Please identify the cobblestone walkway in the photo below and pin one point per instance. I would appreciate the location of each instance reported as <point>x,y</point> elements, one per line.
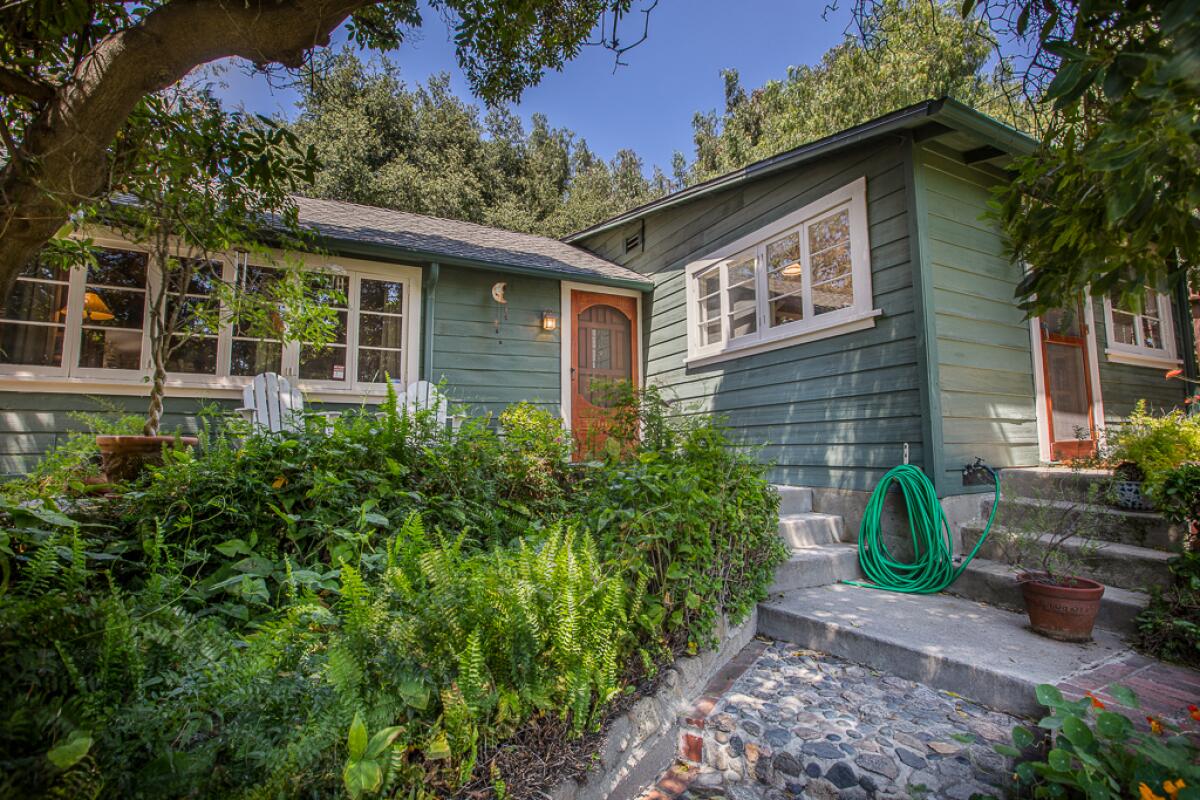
<point>806,724</point>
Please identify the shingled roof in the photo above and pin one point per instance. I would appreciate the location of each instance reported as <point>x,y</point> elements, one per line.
<point>355,229</point>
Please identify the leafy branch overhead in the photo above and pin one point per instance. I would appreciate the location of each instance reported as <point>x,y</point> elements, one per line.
<point>78,76</point>
<point>1109,202</point>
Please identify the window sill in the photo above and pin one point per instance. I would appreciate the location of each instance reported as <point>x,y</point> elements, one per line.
<point>229,388</point>
<point>1152,360</point>
<point>860,322</point>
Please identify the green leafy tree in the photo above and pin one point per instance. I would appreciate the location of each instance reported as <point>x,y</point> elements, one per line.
<point>423,149</point>
<point>200,183</point>
<point>77,75</point>
<point>1110,201</point>
<point>908,51</point>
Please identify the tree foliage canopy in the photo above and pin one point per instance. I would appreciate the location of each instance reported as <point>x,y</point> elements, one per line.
<point>76,75</point>
<point>910,50</point>
<point>423,149</point>
<point>1110,203</point>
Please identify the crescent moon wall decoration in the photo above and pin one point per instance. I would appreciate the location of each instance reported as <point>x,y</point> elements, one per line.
<point>498,292</point>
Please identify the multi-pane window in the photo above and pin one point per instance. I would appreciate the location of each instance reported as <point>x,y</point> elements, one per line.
<point>328,363</point>
<point>34,324</point>
<point>1145,333</point>
<point>381,349</point>
<point>196,346</point>
<point>93,324</point>
<point>808,272</point>
<point>114,311</point>
<point>708,305</point>
<point>251,354</point>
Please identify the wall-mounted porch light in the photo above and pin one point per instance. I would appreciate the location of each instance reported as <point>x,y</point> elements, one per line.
<point>549,321</point>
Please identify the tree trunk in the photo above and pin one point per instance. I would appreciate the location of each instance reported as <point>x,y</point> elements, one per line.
<point>158,388</point>
<point>62,159</point>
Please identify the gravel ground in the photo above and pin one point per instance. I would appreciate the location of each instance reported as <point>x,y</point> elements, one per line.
<point>805,724</point>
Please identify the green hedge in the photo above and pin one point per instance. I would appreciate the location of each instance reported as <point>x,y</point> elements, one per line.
<point>359,611</point>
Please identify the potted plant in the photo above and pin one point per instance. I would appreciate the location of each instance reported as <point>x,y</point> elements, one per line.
<point>1049,547</point>
<point>194,194</point>
<point>1145,447</point>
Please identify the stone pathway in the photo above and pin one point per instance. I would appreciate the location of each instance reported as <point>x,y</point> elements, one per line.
<point>799,723</point>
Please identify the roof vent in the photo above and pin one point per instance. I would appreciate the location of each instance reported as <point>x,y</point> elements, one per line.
<point>634,240</point>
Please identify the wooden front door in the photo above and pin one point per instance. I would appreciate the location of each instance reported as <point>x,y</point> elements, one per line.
<point>1069,410</point>
<point>604,335</point>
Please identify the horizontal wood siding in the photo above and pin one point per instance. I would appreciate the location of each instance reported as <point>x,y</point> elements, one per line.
<point>985,368</point>
<point>484,368</point>
<point>834,412</point>
<point>34,423</point>
<point>493,355</point>
<point>1123,385</point>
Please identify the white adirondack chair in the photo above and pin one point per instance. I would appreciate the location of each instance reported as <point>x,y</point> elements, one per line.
<point>424,396</point>
<point>271,403</point>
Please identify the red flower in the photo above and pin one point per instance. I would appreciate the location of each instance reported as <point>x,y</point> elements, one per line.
<point>1195,712</point>
<point>1095,701</point>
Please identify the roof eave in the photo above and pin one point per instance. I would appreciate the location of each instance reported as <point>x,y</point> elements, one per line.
<point>851,136</point>
<point>945,110</point>
<point>401,255</point>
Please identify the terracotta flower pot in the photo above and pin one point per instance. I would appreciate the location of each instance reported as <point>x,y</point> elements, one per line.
<point>1061,611</point>
<point>124,457</point>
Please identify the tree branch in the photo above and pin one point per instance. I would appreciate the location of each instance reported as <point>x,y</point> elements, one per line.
<point>65,146</point>
<point>14,83</point>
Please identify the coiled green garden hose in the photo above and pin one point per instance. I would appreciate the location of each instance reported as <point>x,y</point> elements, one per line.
<point>932,568</point>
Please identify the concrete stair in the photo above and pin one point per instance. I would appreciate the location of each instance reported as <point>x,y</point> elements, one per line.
<point>1113,564</point>
<point>818,555</point>
<point>973,639</point>
<point>1085,485</point>
<point>1137,528</point>
<point>983,653</point>
<point>995,583</point>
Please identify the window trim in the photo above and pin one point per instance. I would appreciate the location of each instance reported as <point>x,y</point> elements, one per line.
<point>1138,355</point>
<point>69,376</point>
<point>859,315</point>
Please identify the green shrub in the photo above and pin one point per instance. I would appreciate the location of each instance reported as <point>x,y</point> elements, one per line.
<point>1101,755</point>
<point>688,519</point>
<point>1155,444</point>
<point>360,609</point>
<point>248,510</point>
<point>125,689</point>
<point>1170,626</point>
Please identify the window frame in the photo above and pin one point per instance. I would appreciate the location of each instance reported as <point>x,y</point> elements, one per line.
<point>859,315</point>
<point>223,383</point>
<point>1140,355</point>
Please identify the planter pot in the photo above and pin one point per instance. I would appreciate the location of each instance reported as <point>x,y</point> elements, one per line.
<point>1129,495</point>
<point>124,457</point>
<point>1062,612</point>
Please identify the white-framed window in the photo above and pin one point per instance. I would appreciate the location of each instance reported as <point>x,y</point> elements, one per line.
<point>89,325</point>
<point>804,277</point>
<point>1145,338</point>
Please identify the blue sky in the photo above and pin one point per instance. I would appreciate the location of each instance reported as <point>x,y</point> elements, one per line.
<point>647,105</point>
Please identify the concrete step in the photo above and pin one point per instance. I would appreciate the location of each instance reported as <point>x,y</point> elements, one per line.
<point>816,566</point>
<point>1139,528</point>
<point>1058,482</point>
<point>996,584</point>
<point>1113,564</point>
<point>983,653</point>
<point>794,499</point>
<point>811,529</point>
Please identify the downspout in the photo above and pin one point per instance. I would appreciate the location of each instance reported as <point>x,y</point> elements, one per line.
<point>428,296</point>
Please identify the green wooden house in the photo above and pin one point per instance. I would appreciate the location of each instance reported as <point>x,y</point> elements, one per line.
<point>840,304</point>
